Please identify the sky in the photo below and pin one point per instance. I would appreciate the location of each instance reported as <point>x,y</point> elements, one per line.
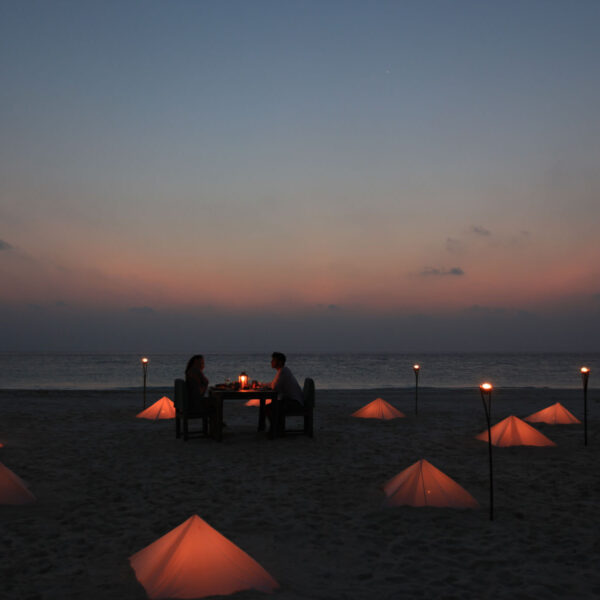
<point>309,176</point>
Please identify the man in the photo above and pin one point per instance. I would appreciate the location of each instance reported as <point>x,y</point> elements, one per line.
<point>289,392</point>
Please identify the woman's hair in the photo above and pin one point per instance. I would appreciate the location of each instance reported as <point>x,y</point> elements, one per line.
<point>191,361</point>
<point>279,357</point>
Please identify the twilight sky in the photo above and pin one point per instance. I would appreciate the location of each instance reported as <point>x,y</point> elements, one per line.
<point>308,176</point>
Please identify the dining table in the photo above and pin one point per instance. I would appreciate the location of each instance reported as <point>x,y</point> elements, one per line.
<point>224,392</point>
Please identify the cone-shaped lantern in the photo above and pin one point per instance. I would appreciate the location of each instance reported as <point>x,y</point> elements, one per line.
<point>422,484</point>
<point>556,414</point>
<point>256,402</point>
<point>193,561</point>
<point>513,431</point>
<point>378,409</point>
<point>13,489</point>
<point>161,409</point>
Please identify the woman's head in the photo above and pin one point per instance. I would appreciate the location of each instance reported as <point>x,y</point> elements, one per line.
<point>197,361</point>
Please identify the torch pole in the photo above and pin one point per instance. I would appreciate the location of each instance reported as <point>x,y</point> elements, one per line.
<point>416,369</point>
<point>145,372</point>
<point>585,374</point>
<point>488,409</point>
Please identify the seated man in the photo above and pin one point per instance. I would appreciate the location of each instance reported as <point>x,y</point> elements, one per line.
<point>285,384</point>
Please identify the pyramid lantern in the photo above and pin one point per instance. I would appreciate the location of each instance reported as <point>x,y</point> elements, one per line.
<point>556,414</point>
<point>422,484</point>
<point>513,431</point>
<point>378,409</point>
<point>161,409</point>
<point>193,561</point>
<point>13,489</point>
<point>256,402</point>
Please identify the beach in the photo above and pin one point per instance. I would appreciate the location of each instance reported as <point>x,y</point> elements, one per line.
<point>308,510</point>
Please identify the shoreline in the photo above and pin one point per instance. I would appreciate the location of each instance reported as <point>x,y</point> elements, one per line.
<point>309,511</point>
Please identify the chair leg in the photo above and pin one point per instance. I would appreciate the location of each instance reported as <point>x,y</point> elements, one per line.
<point>185,429</point>
<point>177,426</point>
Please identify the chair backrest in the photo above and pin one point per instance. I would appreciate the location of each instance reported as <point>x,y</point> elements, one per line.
<point>180,395</point>
<point>308,391</point>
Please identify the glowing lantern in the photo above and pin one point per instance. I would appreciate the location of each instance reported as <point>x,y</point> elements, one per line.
<point>422,484</point>
<point>193,561</point>
<point>513,431</point>
<point>378,409</point>
<point>243,380</point>
<point>13,489</point>
<point>556,414</point>
<point>161,409</point>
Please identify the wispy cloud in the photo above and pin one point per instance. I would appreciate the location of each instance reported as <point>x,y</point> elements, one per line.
<point>5,245</point>
<point>479,230</point>
<point>453,245</point>
<point>435,272</point>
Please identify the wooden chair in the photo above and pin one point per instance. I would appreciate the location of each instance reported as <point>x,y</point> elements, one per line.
<point>306,411</point>
<point>211,417</point>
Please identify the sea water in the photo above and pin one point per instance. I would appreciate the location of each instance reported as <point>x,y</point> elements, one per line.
<point>330,371</point>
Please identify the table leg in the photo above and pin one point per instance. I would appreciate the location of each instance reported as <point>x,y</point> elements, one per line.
<point>261,414</point>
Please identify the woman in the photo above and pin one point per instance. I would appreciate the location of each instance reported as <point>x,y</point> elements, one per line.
<point>196,381</point>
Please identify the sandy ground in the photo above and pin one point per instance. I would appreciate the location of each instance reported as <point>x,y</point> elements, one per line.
<point>309,511</point>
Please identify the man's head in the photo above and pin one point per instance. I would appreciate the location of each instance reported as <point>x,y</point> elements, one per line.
<point>277,360</point>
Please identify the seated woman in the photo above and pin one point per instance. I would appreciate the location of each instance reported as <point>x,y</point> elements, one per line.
<point>197,383</point>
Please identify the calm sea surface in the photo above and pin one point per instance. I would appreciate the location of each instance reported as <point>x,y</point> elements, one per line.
<point>330,371</point>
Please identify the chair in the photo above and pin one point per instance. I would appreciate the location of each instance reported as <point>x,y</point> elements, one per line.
<point>306,411</point>
<point>210,415</point>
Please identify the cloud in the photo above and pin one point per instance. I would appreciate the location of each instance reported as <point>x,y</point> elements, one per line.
<point>142,310</point>
<point>5,245</point>
<point>453,245</point>
<point>430,271</point>
<point>479,230</point>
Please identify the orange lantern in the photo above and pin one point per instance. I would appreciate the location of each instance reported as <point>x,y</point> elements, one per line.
<point>243,380</point>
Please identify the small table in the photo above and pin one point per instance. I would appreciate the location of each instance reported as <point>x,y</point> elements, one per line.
<point>263,394</point>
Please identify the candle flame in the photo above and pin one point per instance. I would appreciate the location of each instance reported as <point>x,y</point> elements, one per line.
<point>145,360</point>
<point>585,370</point>
<point>486,387</point>
<point>416,367</point>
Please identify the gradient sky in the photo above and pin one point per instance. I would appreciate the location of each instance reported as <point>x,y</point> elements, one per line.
<point>329,175</point>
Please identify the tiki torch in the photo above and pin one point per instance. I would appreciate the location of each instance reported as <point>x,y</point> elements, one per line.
<point>145,362</point>
<point>416,369</point>
<point>486,398</point>
<point>585,373</point>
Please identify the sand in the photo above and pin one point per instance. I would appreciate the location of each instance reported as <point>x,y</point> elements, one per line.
<point>309,511</point>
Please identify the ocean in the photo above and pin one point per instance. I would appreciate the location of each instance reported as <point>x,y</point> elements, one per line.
<point>330,371</point>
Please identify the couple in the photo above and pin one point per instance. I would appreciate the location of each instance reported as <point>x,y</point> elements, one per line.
<point>284,383</point>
